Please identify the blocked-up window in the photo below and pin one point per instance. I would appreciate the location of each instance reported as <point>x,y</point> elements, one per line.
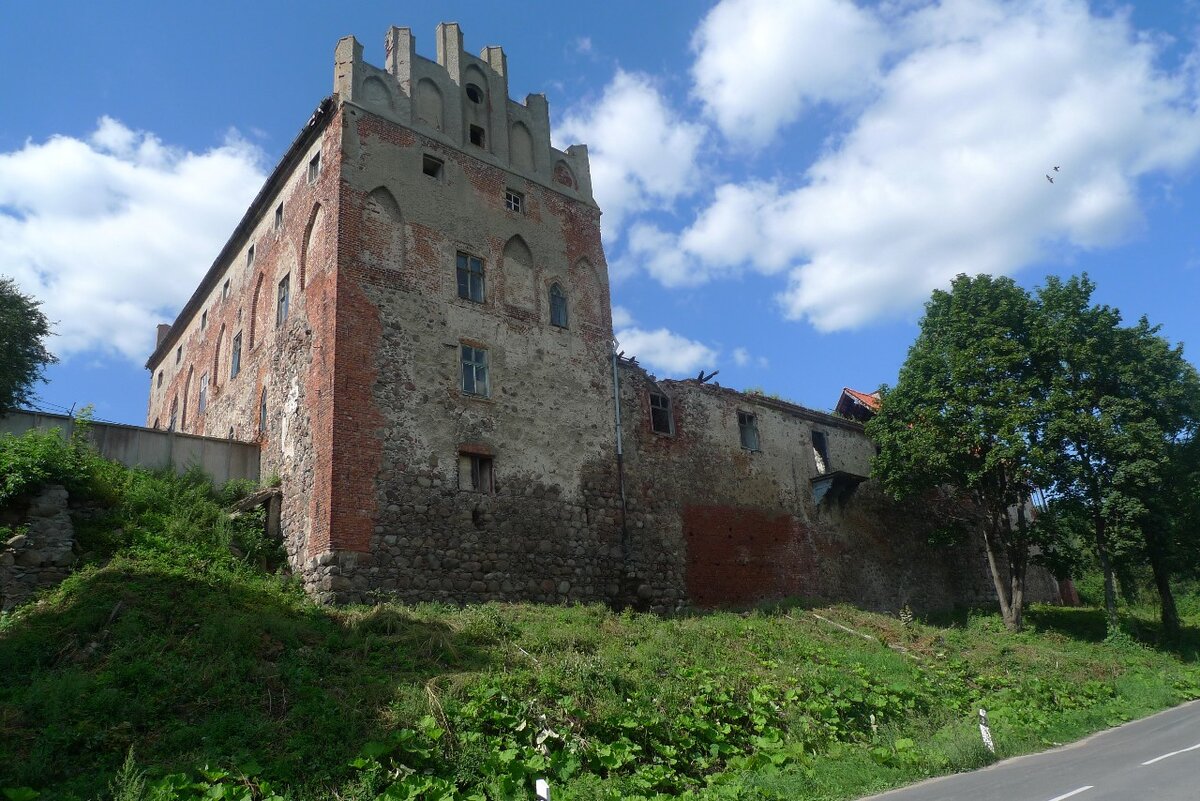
<point>558,306</point>
<point>235,355</point>
<point>748,430</point>
<point>660,414</point>
<point>281,304</point>
<point>820,445</point>
<point>474,371</point>
<point>470,277</point>
<point>202,403</point>
<point>475,473</point>
<point>514,201</point>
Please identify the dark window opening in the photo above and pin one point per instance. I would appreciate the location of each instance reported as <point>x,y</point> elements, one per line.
<point>281,306</point>
<point>202,404</point>
<point>178,354</point>
<point>475,473</point>
<point>820,447</point>
<point>160,376</point>
<point>474,371</point>
<point>278,216</point>
<point>470,277</point>
<point>660,414</point>
<point>474,93</point>
<point>225,289</point>
<point>478,136</point>
<point>250,257</point>
<point>314,168</point>
<point>203,320</point>
<point>262,412</point>
<point>235,356</point>
<point>748,430</point>
<point>432,167</point>
<point>558,306</point>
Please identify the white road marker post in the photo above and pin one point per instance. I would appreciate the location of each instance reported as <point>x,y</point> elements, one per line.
<point>986,731</point>
<point>542,787</point>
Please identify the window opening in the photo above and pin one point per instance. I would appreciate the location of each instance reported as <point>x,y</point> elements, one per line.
<point>235,356</point>
<point>202,404</point>
<point>160,376</point>
<point>470,277</point>
<point>660,414</point>
<point>174,414</point>
<point>748,430</point>
<point>278,216</point>
<point>514,201</point>
<point>178,354</point>
<point>558,306</point>
<point>432,166</point>
<point>820,446</point>
<point>478,137</point>
<point>250,257</point>
<point>203,320</point>
<point>225,290</point>
<point>474,93</point>
<point>475,473</point>
<point>281,306</point>
<point>474,371</point>
<point>314,168</point>
<point>262,412</point>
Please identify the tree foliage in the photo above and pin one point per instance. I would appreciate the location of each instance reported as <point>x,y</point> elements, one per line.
<point>23,354</point>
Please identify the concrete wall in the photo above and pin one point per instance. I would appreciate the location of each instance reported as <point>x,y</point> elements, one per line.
<point>141,447</point>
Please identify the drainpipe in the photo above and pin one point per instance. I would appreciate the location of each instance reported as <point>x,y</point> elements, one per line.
<point>620,460</point>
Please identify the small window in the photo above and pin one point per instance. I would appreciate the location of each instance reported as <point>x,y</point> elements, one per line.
<point>558,306</point>
<point>160,375</point>
<point>235,356</point>
<point>470,277</point>
<point>314,168</point>
<point>748,430</point>
<point>225,290</point>
<point>202,404</point>
<point>820,447</point>
<point>478,137</point>
<point>514,201</point>
<point>203,320</point>
<point>474,371</point>
<point>432,167</point>
<point>262,412</point>
<point>174,414</point>
<point>250,257</point>
<point>179,354</point>
<point>279,217</point>
<point>660,414</point>
<point>281,305</point>
<point>475,473</point>
<point>474,93</point>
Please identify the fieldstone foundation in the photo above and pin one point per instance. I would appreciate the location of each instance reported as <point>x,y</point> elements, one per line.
<point>40,556</point>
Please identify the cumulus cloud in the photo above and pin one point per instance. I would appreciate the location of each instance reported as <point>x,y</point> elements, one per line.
<point>113,232</point>
<point>621,317</point>
<point>665,351</point>
<point>760,62</point>
<point>943,170</point>
<point>642,152</point>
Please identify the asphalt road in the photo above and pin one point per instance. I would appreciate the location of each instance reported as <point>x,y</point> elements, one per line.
<point>1153,759</point>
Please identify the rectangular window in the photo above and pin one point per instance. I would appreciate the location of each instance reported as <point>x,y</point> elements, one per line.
<point>225,290</point>
<point>470,277</point>
<point>478,137</point>
<point>203,320</point>
<point>748,430</point>
<point>160,374</point>
<point>314,168</point>
<point>250,257</point>
<point>432,167</point>
<point>178,354</point>
<point>235,356</point>
<point>820,451</point>
<point>514,201</point>
<point>475,473</point>
<point>279,217</point>
<point>281,305</point>
<point>474,371</point>
<point>203,402</point>
<point>660,414</point>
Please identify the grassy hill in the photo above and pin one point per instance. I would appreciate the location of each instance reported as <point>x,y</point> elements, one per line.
<point>174,666</point>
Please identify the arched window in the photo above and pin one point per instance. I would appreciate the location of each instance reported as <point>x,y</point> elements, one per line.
<point>558,306</point>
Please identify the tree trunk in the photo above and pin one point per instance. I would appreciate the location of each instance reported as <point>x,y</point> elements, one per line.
<point>1110,588</point>
<point>1162,580</point>
<point>1002,592</point>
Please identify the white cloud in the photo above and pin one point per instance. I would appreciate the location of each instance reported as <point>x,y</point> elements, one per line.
<point>621,317</point>
<point>665,351</point>
<point>741,357</point>
<point>642,153</point>
<point>113,232</point>
<point>942,172</point>
<point>759,62</point>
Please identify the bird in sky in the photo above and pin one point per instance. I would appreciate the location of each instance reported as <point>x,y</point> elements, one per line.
<point>1056,169</point>
<point>1048,178</point>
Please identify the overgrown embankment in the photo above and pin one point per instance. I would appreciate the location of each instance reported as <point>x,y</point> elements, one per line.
<point>220,677</point>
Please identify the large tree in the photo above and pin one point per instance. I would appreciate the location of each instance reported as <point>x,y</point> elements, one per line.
<point>23,354</point>
<point>964,418</point>
<point>1119,397</point>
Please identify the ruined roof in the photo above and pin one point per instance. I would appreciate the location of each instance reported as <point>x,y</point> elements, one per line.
<point>858,405</point>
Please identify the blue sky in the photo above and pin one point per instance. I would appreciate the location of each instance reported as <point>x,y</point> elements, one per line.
<point>783,181</point>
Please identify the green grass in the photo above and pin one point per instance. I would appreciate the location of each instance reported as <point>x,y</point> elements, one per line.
<point>170,648</point>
